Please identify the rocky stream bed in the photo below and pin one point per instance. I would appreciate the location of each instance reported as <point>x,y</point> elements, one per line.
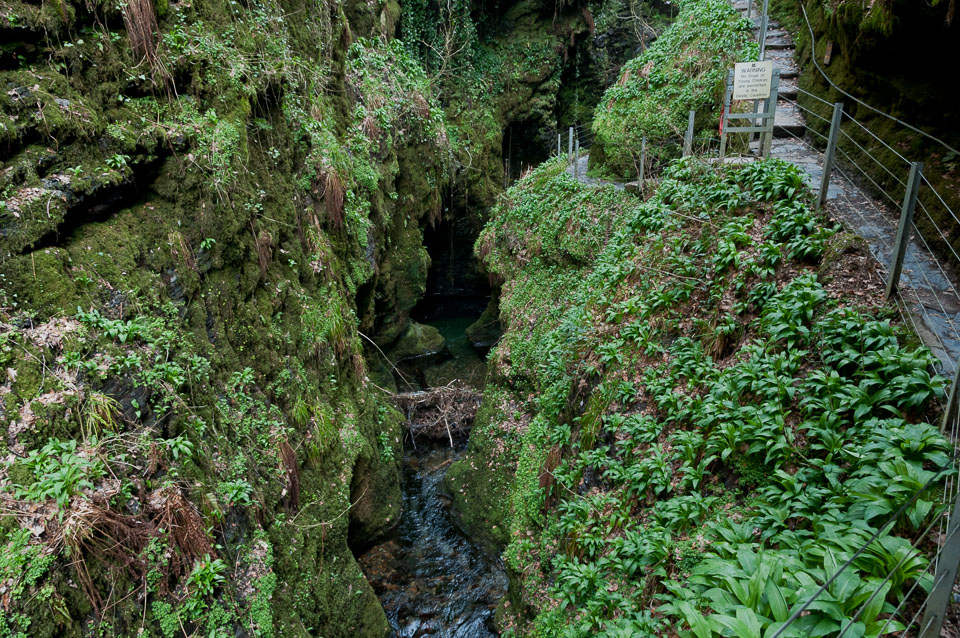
<point>430,577</point>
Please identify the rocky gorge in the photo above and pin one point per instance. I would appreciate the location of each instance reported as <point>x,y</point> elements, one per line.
<point>305,332</point>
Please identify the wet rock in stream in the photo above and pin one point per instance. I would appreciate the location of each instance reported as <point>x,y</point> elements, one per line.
<point>431,579</point>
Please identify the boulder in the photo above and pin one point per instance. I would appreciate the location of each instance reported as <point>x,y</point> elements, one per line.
<point>418,340</point>
<point>486,331</point>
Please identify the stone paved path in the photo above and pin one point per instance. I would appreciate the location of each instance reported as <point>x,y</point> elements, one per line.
<point>583,177</point>
<point>928,288</point>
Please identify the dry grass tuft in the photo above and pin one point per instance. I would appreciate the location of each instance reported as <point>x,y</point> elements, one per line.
<point>333,195</point>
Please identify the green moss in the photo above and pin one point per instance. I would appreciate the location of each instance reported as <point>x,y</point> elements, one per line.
<point>639,456</point>
<point>418,340</point>
<point>194,216</point>
<point>486,330</point>
<point>480,481</point>
<point>684,69</point>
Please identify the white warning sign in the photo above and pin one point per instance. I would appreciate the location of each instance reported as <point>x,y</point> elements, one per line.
<point>751,80</point>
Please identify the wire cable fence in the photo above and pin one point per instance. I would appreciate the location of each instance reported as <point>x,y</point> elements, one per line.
<point>923,290</point>
<point>907,223</point>
<point>654,153</point>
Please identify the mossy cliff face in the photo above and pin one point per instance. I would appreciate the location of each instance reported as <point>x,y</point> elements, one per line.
<point>196,224</point>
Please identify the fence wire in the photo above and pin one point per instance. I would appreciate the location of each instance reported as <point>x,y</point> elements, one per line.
<point>914,603</point>
<point>911,615</point>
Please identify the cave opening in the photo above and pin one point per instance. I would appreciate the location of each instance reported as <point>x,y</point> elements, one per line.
<point>526,143</point>
<point>456,284</point>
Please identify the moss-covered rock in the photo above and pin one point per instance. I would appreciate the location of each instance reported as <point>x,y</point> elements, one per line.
<point>684,69</point>
<point>485,331</point>
<point>189,253</point>
<point>417,341</point>
<point>480,482</point>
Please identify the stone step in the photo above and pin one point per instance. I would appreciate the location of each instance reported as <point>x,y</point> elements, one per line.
<point>784,61</point>
<point>788,121</point>
<point>788,89</point>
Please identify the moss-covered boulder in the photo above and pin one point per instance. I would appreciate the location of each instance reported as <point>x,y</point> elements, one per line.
<point>418,341</point>
<point>684,69</point>
<point>479,483</point>
<point>485,331</point>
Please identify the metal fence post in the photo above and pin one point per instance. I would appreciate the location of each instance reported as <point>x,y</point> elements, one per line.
<point>643,158</point>
<point>570,145</point>
<point>763,36</point>
<point>944,578</point>
<point>559,149</point>
<point>749,9</point>
<point>903,231</point>
<point>950,412</point>
<point>576,160</point>
<point>766,138</point>
<point>830,152</point>
<point>764,19</point>
<point>688,136</point>
<point>723,115</point>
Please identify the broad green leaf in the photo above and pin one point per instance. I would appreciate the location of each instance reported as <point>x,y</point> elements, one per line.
<point>778,605</point>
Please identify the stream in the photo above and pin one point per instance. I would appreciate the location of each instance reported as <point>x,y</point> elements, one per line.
<point>431,578</point>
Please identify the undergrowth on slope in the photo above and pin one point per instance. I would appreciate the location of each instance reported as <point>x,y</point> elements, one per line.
<point>684,69</point>
<point>717,415</point>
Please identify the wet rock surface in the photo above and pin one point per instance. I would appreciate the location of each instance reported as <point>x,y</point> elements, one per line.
<point>430,578</point>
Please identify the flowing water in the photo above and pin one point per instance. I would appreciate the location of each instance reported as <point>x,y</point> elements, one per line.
<point>432,580</point>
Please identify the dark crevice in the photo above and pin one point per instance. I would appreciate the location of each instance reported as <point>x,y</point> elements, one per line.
<point>456,284</point>
<point>100,205</point>
<point>526,144</point>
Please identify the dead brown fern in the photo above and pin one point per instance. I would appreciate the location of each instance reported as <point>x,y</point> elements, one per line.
<point>435,215</point>
<point>289,458</point>
<point>171,511</point>
<point>420,105</point>
<point>181,250</point>
<point>140,20</point>
<point>370,128</point>
<point>333,195</point>
<point>547,477</point>
<point>263,244</point>
<point>359,365</point>
<point>588,18</point>
<point>91,529</point>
